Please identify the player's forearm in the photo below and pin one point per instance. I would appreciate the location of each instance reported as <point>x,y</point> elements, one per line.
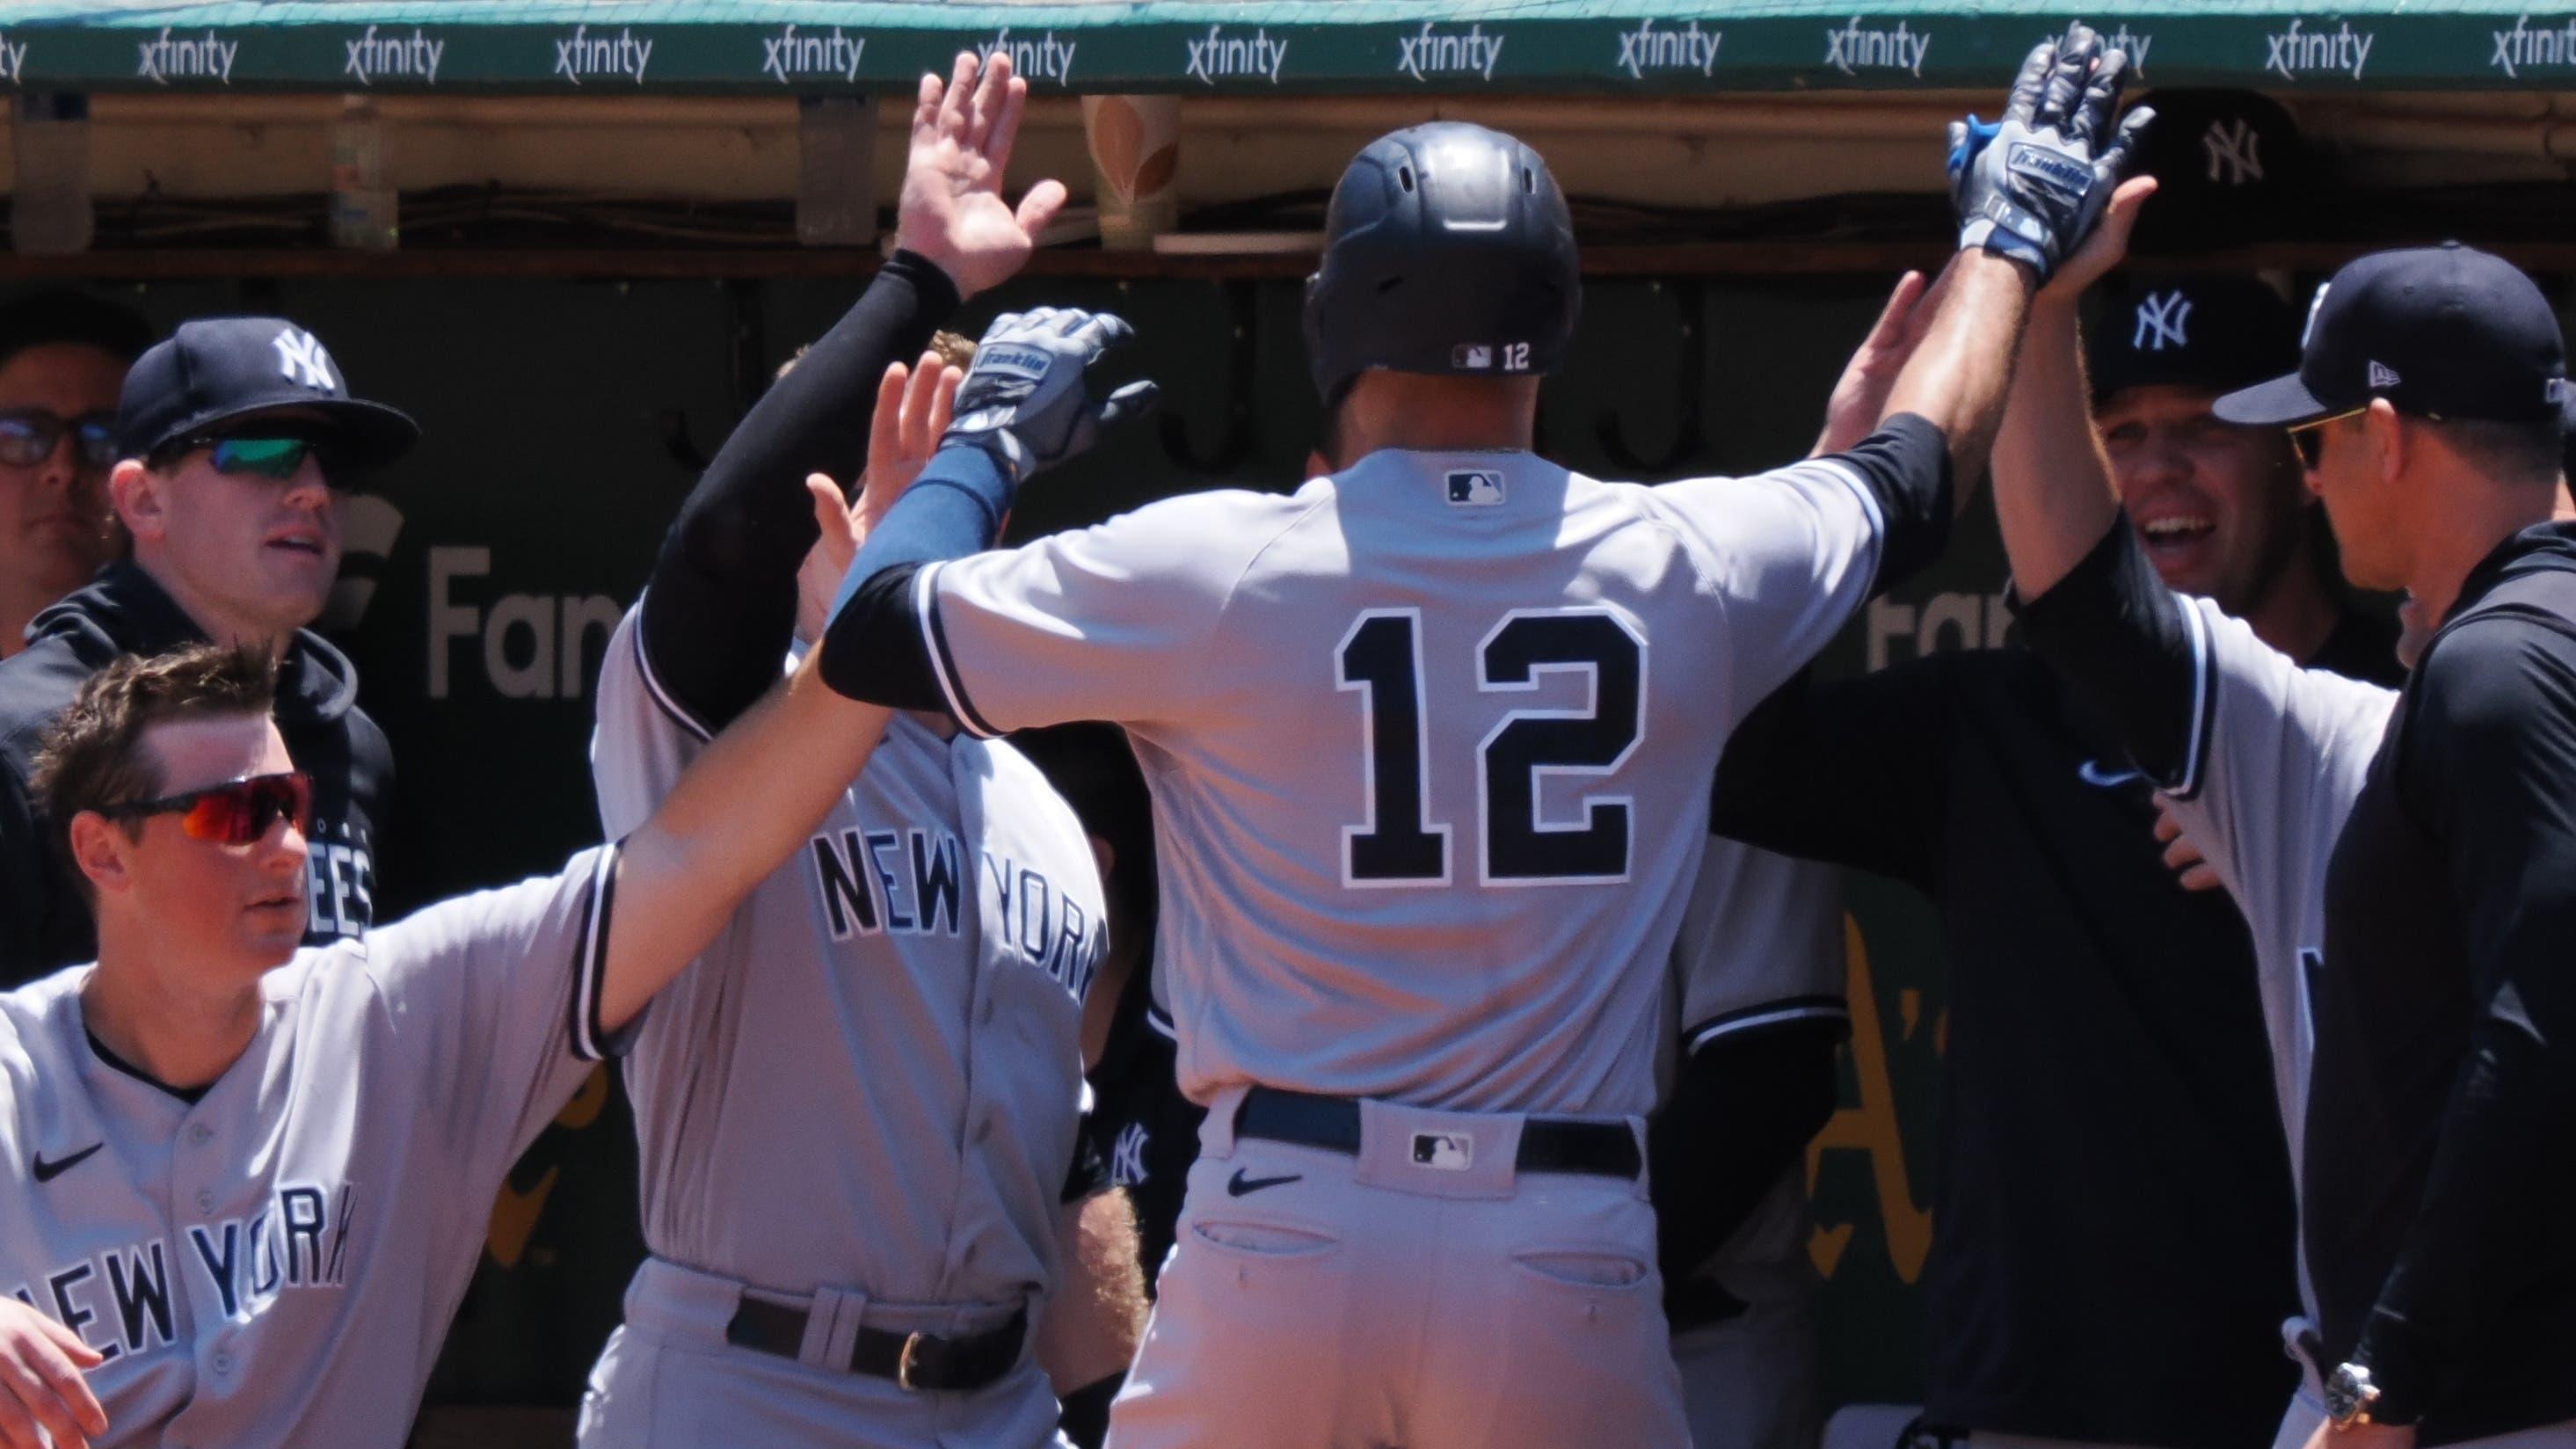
<point>750,800</point>
<point>875,648</point>
<point>2053,493</point>
<point>722,603</point>
<point>1742,1111</point>
<point>1095,1318</point>
<point>1957,378</point>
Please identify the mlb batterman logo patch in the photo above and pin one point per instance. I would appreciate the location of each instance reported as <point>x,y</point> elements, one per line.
<point>1481,487</point>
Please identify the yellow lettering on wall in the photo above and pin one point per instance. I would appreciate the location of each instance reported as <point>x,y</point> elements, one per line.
<point>1870,1127</point>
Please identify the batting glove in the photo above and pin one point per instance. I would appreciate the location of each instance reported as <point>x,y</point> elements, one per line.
<point>2033,184</point>
<point>1027,398</point>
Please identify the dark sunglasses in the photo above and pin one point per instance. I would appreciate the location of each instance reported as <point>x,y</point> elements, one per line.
<point>28,436</point>
<point>274,456</point>
<point>236,812</point>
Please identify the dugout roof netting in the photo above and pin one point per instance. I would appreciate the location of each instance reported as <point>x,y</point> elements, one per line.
<point>1248,46</point>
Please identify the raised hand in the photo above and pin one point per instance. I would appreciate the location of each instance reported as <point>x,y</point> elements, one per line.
<point>913,406</point>
<point>1027,400</point>
<point>1859,399</point>
<point>951,209</point>
<point>2032,185</point>
<point>42,1392</point>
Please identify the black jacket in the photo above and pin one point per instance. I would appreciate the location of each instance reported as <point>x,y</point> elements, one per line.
<point>44,922</point>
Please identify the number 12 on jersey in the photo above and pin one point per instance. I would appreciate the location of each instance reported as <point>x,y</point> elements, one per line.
<point>1398,844</point>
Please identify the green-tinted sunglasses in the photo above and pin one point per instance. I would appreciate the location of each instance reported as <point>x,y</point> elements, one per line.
<point>273,456</point>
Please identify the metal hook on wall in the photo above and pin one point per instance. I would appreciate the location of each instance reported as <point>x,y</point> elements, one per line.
<point>1237,443</point>
<point>1687,381</point>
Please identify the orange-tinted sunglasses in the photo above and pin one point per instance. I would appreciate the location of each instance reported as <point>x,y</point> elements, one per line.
<point>236,812</point>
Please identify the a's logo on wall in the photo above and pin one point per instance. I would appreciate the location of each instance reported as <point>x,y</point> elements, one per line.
<point>2161,318</point>
<point>2235,151</point>
<point>367,533</point>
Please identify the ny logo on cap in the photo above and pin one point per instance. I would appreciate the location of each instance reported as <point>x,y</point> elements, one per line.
<point>2160,320</point>
<point>300,358</point>
<point>2235,152</point>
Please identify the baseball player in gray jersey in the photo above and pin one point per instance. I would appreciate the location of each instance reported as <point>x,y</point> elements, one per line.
<point>1427,741</point>
<point>858,1106</point>
<point>1761,946</point>
<point>242,1187</point>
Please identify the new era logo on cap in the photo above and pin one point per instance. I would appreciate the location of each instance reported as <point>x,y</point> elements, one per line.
<point>2382,375</point>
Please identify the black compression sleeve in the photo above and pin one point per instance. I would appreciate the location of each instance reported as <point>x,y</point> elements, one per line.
<point>874,650</point>
<point>1742,1109</point>
<point>1851,772</point>
<point>722,606</point>
<point>2487,755</point>
<point>2121,638</point>
<point>1906,467</point>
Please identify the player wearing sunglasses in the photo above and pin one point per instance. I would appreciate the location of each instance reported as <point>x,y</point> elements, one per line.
<point>234,440</point>
<point>241,1182</point>
<point>62,358</point>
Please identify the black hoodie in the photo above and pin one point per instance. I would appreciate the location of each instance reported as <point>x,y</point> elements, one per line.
<point>44,922</point>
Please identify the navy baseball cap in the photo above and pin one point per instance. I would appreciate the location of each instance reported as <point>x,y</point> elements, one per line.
<point>2205,331</point>
<point>2441,332</point>
<point>217,370</point>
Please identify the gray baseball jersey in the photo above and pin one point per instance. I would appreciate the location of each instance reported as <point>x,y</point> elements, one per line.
<point>277,1262</point>
<point>2275,761</point>
<point>1429,744</point>
<point>871,1080</point>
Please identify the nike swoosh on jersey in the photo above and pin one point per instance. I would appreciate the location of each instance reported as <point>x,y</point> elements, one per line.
<point>2092,773</point>
<point>48,1171</point>
<point>1238,1185</point>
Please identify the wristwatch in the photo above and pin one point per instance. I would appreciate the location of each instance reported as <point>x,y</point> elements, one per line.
<point>2349,1396</point>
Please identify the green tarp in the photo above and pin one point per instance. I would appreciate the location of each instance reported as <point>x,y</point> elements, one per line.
<point>1245,46</point>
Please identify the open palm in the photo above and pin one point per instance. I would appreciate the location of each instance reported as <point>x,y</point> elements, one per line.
<point>952,210</point>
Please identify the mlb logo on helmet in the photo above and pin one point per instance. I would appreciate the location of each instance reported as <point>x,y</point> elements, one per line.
<point>1444,1151</point>
<point>1481,487</point>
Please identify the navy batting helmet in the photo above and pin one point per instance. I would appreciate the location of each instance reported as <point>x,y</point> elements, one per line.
<point>1447,249</point>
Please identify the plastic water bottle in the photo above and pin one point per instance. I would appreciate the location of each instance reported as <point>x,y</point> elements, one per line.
<point>836,147</point>
<point>365,211</point>
<point>50,211</point>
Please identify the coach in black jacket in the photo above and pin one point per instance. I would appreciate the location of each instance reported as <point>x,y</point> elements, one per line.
<point>237,437</point>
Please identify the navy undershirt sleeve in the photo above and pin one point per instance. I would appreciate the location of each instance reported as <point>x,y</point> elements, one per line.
<point>877,647</point>
<point>1853,772</point>
<point>721,609</point>
<point>2114,631</point>
<point>1906,467</point>
<point>1742,1110</point>
<point>2487,758</point>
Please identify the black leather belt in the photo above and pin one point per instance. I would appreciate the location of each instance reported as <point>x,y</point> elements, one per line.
<point>913,1360</point>
<point>1548,1144</point>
